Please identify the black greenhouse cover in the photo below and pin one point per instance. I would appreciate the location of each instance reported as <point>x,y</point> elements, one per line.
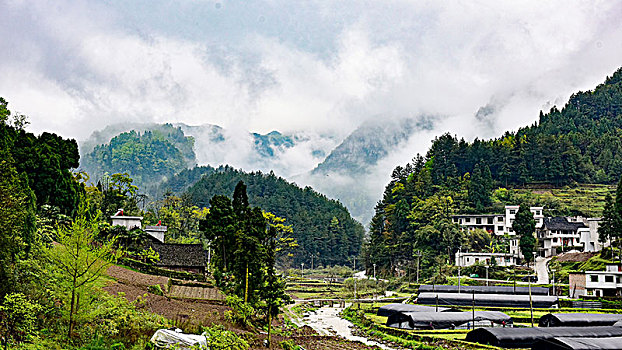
<point>527,337</point>
<point>389,309</point>
<point>578,319</point>
<point>484,289</point>
<point>498,300</point>
<point>443,320</point>
<point>563,343</point>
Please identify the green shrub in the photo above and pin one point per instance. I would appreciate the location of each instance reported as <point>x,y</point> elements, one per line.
<point>241,313</point>
<point>289,345</point>
<point>218,338</point>
<point>18,317</point>
<point>155,289</point>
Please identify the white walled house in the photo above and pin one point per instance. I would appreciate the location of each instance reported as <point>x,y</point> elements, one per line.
<point>596,283</point>
<point>464,259</point>
<point>156,232</point>
<point>510,215</point>
<point>492,223</point>
<point>499,224</point>
<point>559,232</point>
<point>129,222</point>
<point>588,237</point>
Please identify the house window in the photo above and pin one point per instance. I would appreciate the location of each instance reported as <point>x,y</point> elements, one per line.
<point>593,278</point>
<point>512,211</point>
<point>537,212</point>
<point>490,221</point>
<point>609,279</point>
<point>478,221</point>
<point>467,259</point>
<point>499,228</point>
<point>467,219</point>
<point>456,220</point>
<point>500,218</point>
<point>476,260</point>
<point>618,279</point>
<point>554,240</point>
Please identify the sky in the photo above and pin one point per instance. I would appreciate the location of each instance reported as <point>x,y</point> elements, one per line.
<point>326,66</point>
<point>475,68</point>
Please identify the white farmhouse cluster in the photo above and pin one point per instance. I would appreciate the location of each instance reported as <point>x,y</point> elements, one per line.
<point>553,233</point>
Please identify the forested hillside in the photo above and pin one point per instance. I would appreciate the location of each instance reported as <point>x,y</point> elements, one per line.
<point>42,163</point>
<point>581,143</point>
<point>181,181</point>
<point>148,158</point>
<point>322,227</point>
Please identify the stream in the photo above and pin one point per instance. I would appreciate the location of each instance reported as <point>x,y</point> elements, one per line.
<point>326,321</point>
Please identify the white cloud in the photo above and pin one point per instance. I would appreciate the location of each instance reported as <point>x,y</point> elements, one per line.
<point>318,67</point>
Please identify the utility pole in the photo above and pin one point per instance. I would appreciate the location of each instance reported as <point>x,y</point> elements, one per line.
<point>554,290</point>
<point>418,258</point>
<point>312,261</point>
<point>376,283</point>
<point>530,301</point>
<point>354,276</point>
<point>459,263</point>
<point>487,275</point>
<point>302,269</point>
<point>473,325</point>
<point>514,274</point>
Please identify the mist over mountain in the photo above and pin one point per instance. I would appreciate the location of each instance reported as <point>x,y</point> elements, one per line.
<point>331,166</point>
<point>354,171</point>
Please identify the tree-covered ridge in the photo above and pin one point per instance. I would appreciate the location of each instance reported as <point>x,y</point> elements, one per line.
<point>579,143</point>
<point>43,162</point>
<point>148,158</point>
<point>323,228</point>
<point>181,181</point>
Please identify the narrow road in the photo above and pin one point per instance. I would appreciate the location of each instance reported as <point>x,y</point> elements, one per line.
<point>326,321</point>
<point>542,270</point>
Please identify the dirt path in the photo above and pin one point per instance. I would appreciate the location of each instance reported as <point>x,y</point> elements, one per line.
<point>188,314</point>
<point>326,321</point>
<point>542,270</point>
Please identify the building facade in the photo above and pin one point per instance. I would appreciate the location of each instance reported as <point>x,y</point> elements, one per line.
<point>129,222</point>
<point>465,259</point>
<point>596,283</point>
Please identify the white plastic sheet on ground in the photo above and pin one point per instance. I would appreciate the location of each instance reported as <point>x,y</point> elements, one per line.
<point>166,338</point>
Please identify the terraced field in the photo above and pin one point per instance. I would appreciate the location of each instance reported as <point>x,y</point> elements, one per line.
<point>187,292</point>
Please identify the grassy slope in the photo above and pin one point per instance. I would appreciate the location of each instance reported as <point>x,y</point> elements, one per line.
<point>585,199</point>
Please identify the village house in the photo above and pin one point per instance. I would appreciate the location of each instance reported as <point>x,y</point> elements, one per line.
<point>499,224</point>
<point>178,257</point>
<point>563,234</point>
<point>129,222</point>
<point>465,259</point>
<point>181,257</point>
<point>596,283</point>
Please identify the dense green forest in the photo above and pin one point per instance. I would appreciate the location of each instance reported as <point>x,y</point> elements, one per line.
<point>323,228</point>
<point>181,181</point>
<point>57,245</point>
<point>148,158</point>
<point>581,143</point>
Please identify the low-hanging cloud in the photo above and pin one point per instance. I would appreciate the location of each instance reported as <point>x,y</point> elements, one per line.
<point>318,68</point>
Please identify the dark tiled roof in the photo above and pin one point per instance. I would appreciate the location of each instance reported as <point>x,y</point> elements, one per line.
<point>180,255</point>
<point>561,223</point>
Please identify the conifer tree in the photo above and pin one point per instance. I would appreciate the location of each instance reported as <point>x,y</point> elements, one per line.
<point>524,225</point>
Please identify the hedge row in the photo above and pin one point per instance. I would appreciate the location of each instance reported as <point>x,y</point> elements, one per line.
<point>153,270</point>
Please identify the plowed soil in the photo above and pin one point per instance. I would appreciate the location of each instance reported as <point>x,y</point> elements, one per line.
<point>188,313</point>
